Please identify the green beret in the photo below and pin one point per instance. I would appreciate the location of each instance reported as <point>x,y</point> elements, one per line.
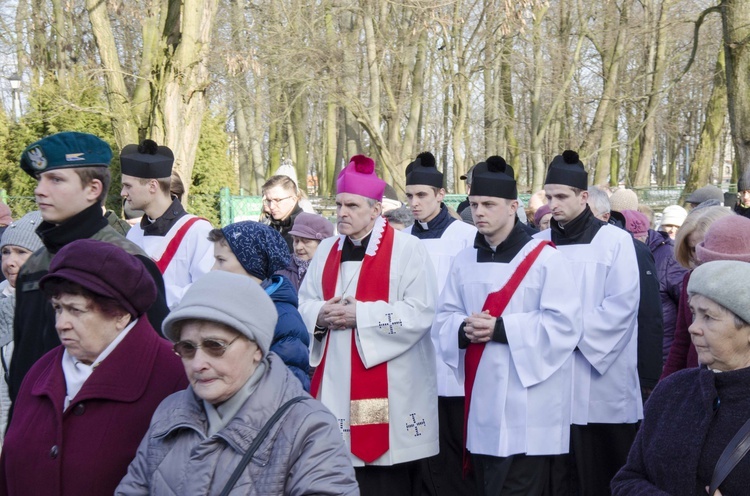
<point>65,151</point>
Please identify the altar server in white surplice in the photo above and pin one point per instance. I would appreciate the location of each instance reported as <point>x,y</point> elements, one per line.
<point>369,300</point>
<point>177,241</point>
<point>606,389</point>
<point>509,331</point>
<point>443,236</point>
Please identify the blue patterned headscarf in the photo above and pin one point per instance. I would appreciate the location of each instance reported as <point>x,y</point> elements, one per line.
<point>260,249</point>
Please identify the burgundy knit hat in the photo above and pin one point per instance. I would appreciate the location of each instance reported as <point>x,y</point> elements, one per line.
<point>635,222</point>
<point>106,270</point>
<point>728,238</point>
<point>541,212</point>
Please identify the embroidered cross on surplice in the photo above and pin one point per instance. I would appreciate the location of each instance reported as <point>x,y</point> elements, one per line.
<point>391,324</point>
<point>415,425</point>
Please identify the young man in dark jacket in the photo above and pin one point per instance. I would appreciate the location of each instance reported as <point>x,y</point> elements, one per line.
<point>73,182</point>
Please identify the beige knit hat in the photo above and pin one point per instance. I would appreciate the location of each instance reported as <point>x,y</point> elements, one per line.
<point>623,199</point>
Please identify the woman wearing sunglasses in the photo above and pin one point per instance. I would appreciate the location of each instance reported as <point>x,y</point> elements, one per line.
<point>222,330</point>
<point>84,406</point>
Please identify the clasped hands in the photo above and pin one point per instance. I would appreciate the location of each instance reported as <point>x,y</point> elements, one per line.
<point>338,313</point>
<point>479,327</point>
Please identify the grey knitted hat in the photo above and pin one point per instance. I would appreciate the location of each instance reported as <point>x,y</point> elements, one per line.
<point>723,282</point>
<point>230,299</point>
<point>23,232</point>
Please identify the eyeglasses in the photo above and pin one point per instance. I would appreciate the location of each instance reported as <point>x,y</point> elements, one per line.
<point>212,347</point>
<point>272,201</point>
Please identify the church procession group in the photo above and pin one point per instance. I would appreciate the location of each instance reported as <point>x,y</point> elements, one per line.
<point>285,357</point>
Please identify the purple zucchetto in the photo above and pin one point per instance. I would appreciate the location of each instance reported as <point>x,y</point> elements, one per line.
<point>259,248</point>
<point>106,270</point>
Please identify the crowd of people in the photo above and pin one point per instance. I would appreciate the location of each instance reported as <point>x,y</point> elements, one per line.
<point>412,349</point>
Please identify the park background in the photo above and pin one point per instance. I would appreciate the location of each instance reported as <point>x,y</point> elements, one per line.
<point>654,94</point>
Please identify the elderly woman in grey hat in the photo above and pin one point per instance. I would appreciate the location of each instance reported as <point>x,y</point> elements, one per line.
<point>222,329</point>
<point>697,417</point>
<point>18,242</point>
<point>307,233</point>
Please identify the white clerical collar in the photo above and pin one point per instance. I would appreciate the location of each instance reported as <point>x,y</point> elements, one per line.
<point>424,225</point>
<point>76,372</point>
<point>358,242</point>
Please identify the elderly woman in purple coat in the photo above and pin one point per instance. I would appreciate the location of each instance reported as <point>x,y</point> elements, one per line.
<point>84,406</point>
<point>695,417</point>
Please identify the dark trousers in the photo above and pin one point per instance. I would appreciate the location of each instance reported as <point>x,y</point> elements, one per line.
<point>402,479</point>
<point>517,475</point>
<point>599,451</point>
<point>442,474</point>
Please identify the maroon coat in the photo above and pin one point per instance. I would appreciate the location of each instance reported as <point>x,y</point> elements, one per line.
<point>87,449</point>
<point>682,354</point>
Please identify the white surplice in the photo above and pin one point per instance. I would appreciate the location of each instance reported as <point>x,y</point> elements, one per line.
<point>396,332</point>
<point>457,236</point>
<point>194,256</point>
<point>521,397</point>
<point>605,370</point>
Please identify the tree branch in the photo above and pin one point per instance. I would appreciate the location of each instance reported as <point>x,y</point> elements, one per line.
<point>696,32</point>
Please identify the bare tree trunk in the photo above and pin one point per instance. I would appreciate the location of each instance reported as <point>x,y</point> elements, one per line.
<point>509,122</point>
<point>325,182</point>
<point>243,148</point>
<point>182,79</point>
<point>411,133</point>
<point>123,123</point>
<point>492,77</point>
<point>298,119</point>
<point>537,130</point>
<point>23,14</point>
<point>711,134</point>
<point>256,145</point>
<point>60,36</point>
<point>599,137</point>
<point>275,130</point>
<point>647,138</point>
<point>540,123</point>
<point>607,143</point>
<point>736,27</point>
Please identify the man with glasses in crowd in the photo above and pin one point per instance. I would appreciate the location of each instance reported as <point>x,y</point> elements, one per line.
<point>742,207</point>
<point>281,205</point>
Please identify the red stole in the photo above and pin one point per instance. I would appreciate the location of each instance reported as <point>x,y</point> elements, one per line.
<point>369,387</point>
<point>495,303</point>
<point>173,244</point>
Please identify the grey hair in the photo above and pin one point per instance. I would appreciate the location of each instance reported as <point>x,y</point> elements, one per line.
<point>401,215</point>
<point>598,200</point>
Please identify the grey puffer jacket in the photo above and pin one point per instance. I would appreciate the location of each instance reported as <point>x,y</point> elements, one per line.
<point>303,453</point>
